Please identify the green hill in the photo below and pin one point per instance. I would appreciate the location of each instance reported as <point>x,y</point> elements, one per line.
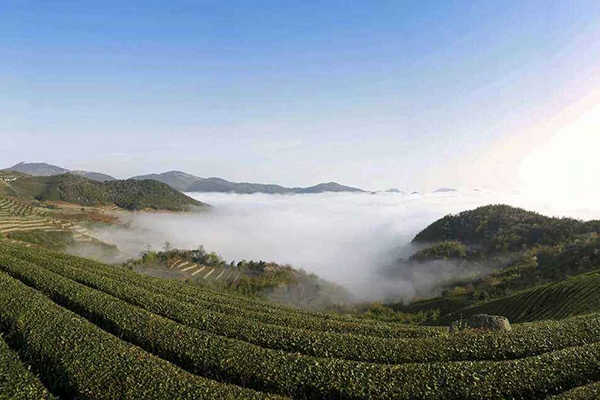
<point>499,228</point>
<point>257,279</point>
<point>520,252</point>
<point>128,194</point>
<point>88,330</point>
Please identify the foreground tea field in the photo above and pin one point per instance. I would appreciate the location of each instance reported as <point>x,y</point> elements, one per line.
<point>574,296</point>
<point>74,328</point>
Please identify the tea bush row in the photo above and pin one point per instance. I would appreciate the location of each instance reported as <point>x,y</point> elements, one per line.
<point>81,360</point>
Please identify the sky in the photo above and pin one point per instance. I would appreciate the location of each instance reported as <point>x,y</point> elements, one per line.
<point>375,94</point>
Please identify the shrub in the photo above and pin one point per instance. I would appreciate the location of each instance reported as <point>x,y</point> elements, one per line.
<point>81,360</point>
<point>16,381</point>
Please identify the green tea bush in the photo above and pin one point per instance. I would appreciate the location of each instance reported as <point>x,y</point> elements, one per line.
<point>586,392</point>
<point>42,323</point>
<point>81,360</point>
<point>536,339</point>
<point>283,316</point>
<point>16,381</point>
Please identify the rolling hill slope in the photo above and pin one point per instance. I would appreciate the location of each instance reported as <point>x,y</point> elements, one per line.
<point>96,331</point>
<point>129,194</point>
<point>574,296</point>
<point>499,228</point>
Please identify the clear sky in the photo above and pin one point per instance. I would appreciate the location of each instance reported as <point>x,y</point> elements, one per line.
<point>376,94</point>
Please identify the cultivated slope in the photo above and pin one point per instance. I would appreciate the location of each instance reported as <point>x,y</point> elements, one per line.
<point>574,296</point>
<point>96,331</point>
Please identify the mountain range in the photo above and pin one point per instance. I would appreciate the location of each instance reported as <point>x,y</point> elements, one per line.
<point>185,182</point>
<point>190,183</point>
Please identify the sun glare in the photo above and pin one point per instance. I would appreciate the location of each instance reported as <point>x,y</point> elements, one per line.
<point>565,171</point>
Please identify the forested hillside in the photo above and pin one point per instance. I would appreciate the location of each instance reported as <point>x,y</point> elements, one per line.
<point>501,228</point>
<point>522,257</point>
<point>128,194</point>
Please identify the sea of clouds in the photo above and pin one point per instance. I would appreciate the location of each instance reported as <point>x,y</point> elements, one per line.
<point>345,238</point>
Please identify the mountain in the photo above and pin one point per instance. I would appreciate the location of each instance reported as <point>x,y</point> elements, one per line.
<point>445,190</point>
<point>43,169</point>
<point>189,183</point>
<point>327,187</point>
<point>221,185</point>
<point>128,194</point>
<point>38,169</point>
<point>176,179</point>
<point>95,176</point>
<point>393,190</point>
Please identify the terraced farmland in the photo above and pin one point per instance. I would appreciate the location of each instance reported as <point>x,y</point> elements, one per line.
<point>195,271</point>
<point>18,216</point>
<point>575,296</point>
<point>78,328</point>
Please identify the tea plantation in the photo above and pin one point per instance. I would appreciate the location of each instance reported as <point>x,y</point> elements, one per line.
<point>75,328</point>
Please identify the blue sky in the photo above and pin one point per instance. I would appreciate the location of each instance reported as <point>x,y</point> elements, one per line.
<point>377,94</point>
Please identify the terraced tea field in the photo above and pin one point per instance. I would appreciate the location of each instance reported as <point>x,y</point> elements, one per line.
<point>575,296</point>
<point>194,271</point>
<point>17,216</point>
<point>88,330</point>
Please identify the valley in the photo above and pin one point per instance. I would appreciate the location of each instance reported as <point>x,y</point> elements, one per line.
<point>191,322</point>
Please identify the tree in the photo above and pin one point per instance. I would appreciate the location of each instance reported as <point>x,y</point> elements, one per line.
<point>147,249</point>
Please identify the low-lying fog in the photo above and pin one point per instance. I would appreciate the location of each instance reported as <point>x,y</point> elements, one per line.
<point>344,238</point>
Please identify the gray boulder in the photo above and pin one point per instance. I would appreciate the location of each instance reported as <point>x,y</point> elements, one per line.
<point>483,322</point>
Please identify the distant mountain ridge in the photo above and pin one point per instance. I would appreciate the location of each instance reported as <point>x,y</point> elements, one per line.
<point>176,179</point>
<point>38,169</point>
<point>43,169</point>
<point>190,183</point>
<point>185,182</point>
<point>445,190</point>
<point>95,176</point>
